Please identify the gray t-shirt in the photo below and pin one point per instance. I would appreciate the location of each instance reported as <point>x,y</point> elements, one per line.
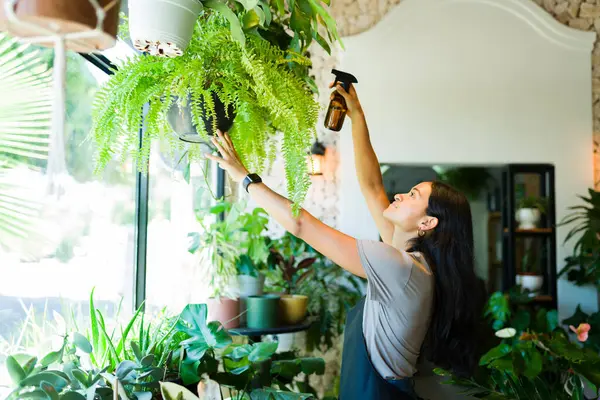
<point>398,307</point>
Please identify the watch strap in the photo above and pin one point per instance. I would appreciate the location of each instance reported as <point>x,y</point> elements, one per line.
<point>250,179</point>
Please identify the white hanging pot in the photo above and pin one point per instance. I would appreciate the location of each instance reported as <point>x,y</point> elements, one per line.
<point>530,281</point>
<point>163,27</point>
<point>528,218</point>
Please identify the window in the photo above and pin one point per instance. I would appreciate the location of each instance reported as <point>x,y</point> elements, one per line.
<point>63,230</point>
<point>171,277</point>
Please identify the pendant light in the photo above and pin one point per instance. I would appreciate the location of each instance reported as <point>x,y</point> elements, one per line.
<point>316,159</point>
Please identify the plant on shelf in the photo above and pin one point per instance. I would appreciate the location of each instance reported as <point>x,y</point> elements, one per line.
<point>253,261</point>
<point>529,211</point>
<point>256,86</point>
<point>530,275</point>
<point>534,359</point>
<point>583,265</point>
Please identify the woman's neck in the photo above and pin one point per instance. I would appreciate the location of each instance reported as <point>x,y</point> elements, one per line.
<point>401,238</point>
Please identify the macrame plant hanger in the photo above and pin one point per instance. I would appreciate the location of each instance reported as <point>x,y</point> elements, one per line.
<point>56,172</point>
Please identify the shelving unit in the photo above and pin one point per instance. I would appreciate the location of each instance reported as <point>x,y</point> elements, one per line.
<point>495,264</point>
<point>519,180</point>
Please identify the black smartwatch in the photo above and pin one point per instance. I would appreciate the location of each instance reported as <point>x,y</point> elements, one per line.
<point>250,179</point>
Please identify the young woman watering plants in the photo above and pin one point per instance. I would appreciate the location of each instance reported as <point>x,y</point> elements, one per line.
<point>422,289</point>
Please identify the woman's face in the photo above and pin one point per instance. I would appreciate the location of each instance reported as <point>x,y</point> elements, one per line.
<point>408,211</point>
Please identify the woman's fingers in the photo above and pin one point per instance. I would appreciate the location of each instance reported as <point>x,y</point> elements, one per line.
<point>220,148</point>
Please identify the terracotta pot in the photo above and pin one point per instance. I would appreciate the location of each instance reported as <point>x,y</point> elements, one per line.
<point>293,308</point>
<point>224,310</point>
<point>68,16</point>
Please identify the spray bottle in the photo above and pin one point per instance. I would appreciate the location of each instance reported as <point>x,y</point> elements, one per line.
<point>337,107</point>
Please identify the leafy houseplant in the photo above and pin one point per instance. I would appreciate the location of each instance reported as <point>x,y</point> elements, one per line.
<point>580,317</point>
<point>583,266</point>
<point>469,180</point>
<point>529,275</point>
<point>534,360</point>
<point>252,79</point>
<point>529,211</point>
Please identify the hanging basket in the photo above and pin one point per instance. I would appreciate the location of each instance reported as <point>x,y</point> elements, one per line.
<point>37,18</point>
<point>163,27</point>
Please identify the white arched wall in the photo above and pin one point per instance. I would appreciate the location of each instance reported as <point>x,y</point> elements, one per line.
<point>474,82</point>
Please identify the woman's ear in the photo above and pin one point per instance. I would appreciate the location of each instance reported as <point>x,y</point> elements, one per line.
<point>428,223</point>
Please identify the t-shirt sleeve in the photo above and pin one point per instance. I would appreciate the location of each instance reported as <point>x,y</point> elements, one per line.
<point>387,268</point>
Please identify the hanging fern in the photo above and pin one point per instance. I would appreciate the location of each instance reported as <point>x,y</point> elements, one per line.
<point>266,95</point>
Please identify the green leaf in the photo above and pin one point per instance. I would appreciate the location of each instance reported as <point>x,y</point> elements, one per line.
<point>72,396</point>
<point>96,343</point>
<point>172,391</point>
<point>124,369</point>
<point>49,390</point>
<point>148,360</point>
<point>82,377</point>
<point>552,318</point>
<point>262,351</point>
<point>136,350</point>
<point>248,4</point>
<point>16,372</point>
<point>52,377</point>
<point>534,364</point>
<point>194,239</point>
<point>441,372</point>
<point>189,373</point>
<point>236,29</point>
<point>267,12</point>
<point>143,395</point>
<point>123,340</point>
<point>280,6</point>
<point>312,365</point>
<point>521,321</point>
<point>82,343</point>
<point>192,321</point>
<point>495,353</point>
<point>51,358</point>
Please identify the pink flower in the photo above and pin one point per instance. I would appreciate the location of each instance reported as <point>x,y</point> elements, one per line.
<point>581,331</point>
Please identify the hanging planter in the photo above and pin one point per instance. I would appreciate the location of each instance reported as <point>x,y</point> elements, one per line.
<point>181,119</point>
<point>162,27</point>
<point>39,18</point>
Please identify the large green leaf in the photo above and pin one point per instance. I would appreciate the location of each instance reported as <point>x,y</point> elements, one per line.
<point>15,371</point>
<point>82,343</point>
<point>262,351</point>
<point>72,396</point>
<point>192,321</point>
<point>495,353</point>
<point>236,28</point>
<point>52,377</point>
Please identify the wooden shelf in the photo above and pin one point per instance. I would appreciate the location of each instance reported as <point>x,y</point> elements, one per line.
<point>543,298</point>
<point>495,214</point>
<point>531,232</point>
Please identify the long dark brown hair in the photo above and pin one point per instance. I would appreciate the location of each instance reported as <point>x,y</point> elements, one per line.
<point>451,341</point>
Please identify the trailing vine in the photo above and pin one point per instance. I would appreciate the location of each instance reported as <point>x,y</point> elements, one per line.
<point>255,79</point>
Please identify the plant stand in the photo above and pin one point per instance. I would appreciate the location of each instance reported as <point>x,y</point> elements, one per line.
<point>255,335</point>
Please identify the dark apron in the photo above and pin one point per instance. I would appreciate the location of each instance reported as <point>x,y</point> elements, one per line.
<point>359,379</point>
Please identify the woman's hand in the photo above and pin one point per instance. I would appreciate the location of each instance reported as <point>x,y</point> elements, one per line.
<point>352,102</point>
<point>229,160</point>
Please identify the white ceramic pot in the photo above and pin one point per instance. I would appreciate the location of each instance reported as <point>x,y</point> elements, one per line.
<point>528,218</point>
<point>249,286</point>
<point>532,282</point>
<point>163,27</point>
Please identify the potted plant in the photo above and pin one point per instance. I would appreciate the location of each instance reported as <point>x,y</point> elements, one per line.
<point>583,265</point>
<point>529,275</point>
<point>263,79</point>
<point>293,272</point>
<point>217,246</point>
<point>529,211</point>
<point>66,16</point>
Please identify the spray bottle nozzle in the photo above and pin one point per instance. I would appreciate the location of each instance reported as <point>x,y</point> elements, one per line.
<point>345,78</point>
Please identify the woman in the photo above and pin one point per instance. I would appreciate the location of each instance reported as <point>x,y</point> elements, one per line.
<point>422,289</point>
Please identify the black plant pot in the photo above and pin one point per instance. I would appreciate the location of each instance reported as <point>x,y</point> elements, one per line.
<point>180,120</point>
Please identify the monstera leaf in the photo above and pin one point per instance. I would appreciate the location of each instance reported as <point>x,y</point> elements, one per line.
<point>203,336</point>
